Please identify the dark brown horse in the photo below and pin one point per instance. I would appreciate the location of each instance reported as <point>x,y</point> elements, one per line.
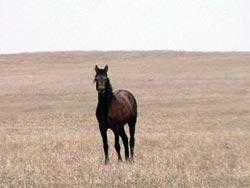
<point>114,110</point>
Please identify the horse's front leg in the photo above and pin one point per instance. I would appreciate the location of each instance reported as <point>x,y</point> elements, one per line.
<point>105,143</point>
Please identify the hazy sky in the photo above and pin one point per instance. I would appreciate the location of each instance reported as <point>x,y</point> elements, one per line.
<point>52,25</point>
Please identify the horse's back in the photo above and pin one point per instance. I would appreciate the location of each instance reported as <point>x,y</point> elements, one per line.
<point>125,97</point>
<point>124,106</point>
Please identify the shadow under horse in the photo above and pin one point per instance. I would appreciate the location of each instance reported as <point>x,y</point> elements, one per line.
<point>114,111</point>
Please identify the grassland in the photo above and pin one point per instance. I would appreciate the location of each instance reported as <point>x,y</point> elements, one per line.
<point>193,126</point>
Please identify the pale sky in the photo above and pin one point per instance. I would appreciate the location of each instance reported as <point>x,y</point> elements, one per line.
<point>59,25</point>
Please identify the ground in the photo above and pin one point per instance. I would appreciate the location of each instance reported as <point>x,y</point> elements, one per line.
<point>193,120</point>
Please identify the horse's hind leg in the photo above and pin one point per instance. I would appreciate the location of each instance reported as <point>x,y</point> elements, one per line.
<point>125,142</point>
<point>132,137</point>
<point>117,145</point>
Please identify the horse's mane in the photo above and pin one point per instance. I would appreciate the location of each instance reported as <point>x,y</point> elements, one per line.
<point>109,87</point>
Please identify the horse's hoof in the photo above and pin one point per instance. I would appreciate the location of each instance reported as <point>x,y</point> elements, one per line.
<point>131,161</point>
<point>106,162</point>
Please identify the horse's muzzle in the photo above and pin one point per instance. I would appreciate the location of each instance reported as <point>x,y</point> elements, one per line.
<point>101,91</point>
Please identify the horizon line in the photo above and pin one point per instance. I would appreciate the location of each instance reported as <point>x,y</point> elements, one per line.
<point>156,50</point>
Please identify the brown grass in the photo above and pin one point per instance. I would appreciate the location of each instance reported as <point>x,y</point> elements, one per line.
<point>193,128</point>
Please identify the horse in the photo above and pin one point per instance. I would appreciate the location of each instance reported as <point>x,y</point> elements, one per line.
<point>114,110</point>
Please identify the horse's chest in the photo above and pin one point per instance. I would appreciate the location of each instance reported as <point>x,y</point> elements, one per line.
<point>101,113</point>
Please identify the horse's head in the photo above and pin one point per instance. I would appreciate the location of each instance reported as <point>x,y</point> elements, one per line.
<point>101,79</point>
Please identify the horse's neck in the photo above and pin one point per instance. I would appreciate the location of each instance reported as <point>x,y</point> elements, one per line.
<point>105,99</point>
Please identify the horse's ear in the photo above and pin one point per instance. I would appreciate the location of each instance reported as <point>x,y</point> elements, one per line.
<point>96,68</point>
<point>106,68</point>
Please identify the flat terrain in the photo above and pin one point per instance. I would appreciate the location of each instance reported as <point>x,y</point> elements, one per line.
<point>193,126</point>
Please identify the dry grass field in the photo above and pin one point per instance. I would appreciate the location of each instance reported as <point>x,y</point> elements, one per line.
<point>193,125</point>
